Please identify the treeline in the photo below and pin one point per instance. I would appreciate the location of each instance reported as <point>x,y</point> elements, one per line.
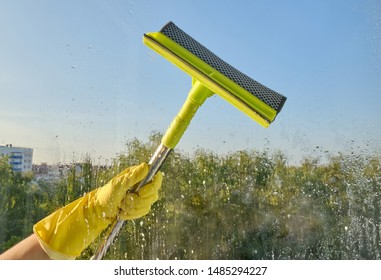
<point>244,205</point>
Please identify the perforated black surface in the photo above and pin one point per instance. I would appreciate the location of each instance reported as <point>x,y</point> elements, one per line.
<point>268,96</point>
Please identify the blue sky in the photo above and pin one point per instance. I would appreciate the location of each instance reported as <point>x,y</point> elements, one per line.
<point>76,79</point>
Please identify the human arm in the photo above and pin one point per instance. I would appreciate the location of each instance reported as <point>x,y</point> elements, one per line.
<point>27,249</point>
<point>68,231</point>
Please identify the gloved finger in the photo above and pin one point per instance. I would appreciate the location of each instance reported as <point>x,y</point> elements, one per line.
<point>134,206</point>
<point>131,168</point>
<point>132,176</point>
<point>133,201</point>
<point>152,187</point>
<point>126,174</point>
<point>135,213</point>
<point>110,196</point>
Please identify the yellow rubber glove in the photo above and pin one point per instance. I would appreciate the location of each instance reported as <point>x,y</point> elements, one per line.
<point>68,231</point>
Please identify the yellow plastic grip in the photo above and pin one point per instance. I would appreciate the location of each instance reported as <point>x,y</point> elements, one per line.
<point>196,97</point>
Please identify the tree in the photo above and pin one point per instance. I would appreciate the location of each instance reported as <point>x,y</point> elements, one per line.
<point>242,205</point>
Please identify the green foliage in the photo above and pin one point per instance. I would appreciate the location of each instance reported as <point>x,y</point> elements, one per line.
<point>17,208</point>
<point>243,205</point>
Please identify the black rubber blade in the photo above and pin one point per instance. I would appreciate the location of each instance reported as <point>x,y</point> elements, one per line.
<point>265,94</point>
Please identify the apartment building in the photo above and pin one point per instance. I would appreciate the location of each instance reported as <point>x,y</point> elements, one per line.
<point>20,159</point>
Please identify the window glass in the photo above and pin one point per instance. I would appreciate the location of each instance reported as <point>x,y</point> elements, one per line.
<point>82,98</point>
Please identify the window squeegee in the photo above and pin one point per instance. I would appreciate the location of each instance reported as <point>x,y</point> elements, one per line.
<point>210,75</point>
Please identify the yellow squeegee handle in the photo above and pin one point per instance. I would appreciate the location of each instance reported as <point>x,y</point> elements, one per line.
<point>196,97</point>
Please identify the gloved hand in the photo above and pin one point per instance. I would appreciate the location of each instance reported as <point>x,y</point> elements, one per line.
<point>68,231</point>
